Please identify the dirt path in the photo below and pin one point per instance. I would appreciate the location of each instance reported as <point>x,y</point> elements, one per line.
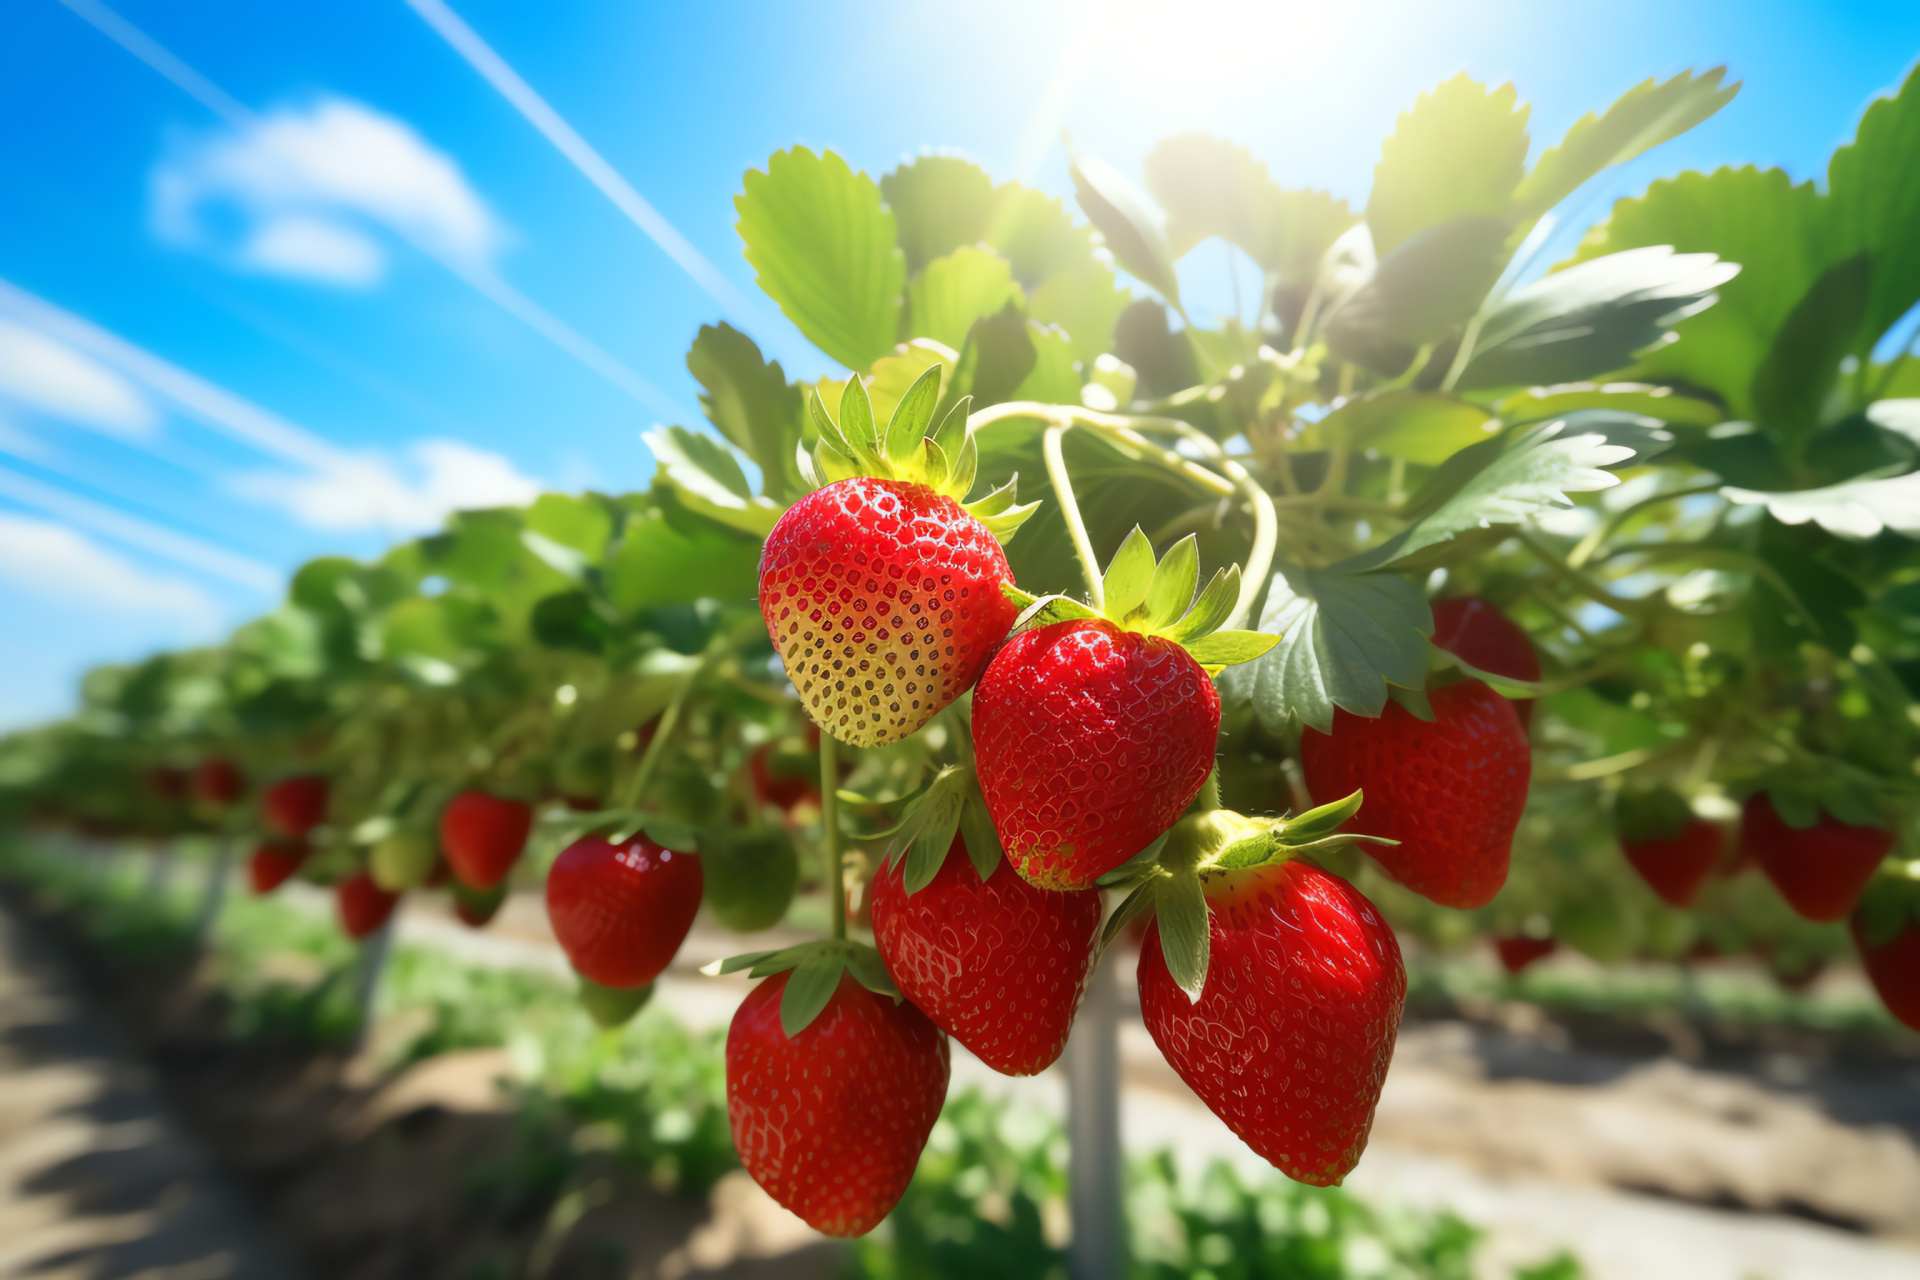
<point>97,1180</point>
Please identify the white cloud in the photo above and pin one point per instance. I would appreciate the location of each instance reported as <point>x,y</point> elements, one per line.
<point>58,563</point>
<point>367,490</point>
<point>46,376</point>
<point>310,248</point>
<point>308,178</point>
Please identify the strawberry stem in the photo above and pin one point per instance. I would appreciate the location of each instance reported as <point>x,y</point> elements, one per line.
<point>637,784</point>
<point>1070,512</point>
<point>830,833</point>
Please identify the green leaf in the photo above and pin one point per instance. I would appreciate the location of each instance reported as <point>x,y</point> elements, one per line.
<point>1034,232</point>
<point>1592,318</point>
<point>1344,637</point>
<point>1759,219</point>
<point>1430,283</point>
<point>750,402</point>
<point>1210,187</point>
<point>568,620</point>
<point>563,560</point>
<point>1537,404</point>
<point>1085,300</point>
<point>822,246</point>
<point>1459,153</point>
<point>1421,426</point>
<point>1132,231</point>
<point>997,358</point>
<point>1873,206</point>
<point>982,841</point>
<point>1180,905</point>
<point>1791,388</point>
<point>1053,378</point>
<point>662,560</point>
<point>1128,575</point>
<point>1216,602</point>
<point>708,479</point>
<point>1902,417</point>
<point>1857,510</point>
<point>1510,481</point>
<point>1229,648</point>
<point>1170,593</point>
<point>1050,609</point>
<point>857,422</point>
<point>1137,903</point>
<point>958,289</point>
<point>870,971</point>
<point>810,986</point>
<point>894,375</point>
<point>583,523</point>
<point>1640,119</point>
<point>939,203</point>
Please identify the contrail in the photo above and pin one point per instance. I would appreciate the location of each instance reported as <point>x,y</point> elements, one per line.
<point>488,284</point>
<point>592,165</point>
<point>136,532</point>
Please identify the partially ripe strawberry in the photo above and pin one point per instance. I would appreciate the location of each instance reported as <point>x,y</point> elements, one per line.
<point>881,591</point>
<point>1290,1039</point>
<point>997,964</point>
<point>272,865</point>
<point>1820,870</point>
<point>1893,965</point>
<point>778,782</point>
<point>621,911</point>
<point>1090,741</point>
<point>1517,952</point>
<point>292,807</point>
<point>831,1121</point>
<point>364,905</point>
<point>884,601</point>
<point>482,836</point>
<point>1677,865</point>
<point>1478,634</point>
<point>217,781</point>
<point>476,908</point>
<point>1451,791</point>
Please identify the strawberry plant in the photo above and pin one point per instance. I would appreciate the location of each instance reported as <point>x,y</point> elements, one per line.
<point>1570,604</point>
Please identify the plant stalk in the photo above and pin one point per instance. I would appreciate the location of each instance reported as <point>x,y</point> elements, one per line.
<point>1070,512</point>
<point>830,833</point>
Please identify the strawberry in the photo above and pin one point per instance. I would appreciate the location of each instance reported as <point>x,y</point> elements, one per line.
<point>1290,1038</point>
<point>1091,741</point>
<point>831,1120</point>
<point>997,964</point>
<point>482,836</point>
<point>216,781</point>
<point>1450,791</point>
<point>1820,870</point>
<point>272,865</point>
<point>364,905</point>
<point>292,807</point>
<point>1677,865</point>
<point>476,908</point>
<point>880,590</point>
<point>1517,952</point>
<point>620,911</point>
<point>778,782</point>
<point>167,783</point>
<point>1478,634</point>
<point>1892,963</point>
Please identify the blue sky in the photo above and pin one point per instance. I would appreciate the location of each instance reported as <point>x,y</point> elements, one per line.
<point>316,280</point>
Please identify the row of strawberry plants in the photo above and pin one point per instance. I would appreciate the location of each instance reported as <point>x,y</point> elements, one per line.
<point>989,1191</point>
<point>1545,607</point>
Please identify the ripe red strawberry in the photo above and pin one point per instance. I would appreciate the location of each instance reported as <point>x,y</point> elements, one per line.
<point>292,807</point>
<point>217,781</point>
<point>1516,953</point>
<point>1450,792</point>
<point>1290,1040</point>
<point>272,865</point>
<point>997,964</point>
<point>1893,966</point>
<point>620,911</point>
<point>1821,870</point>
<point>1677,865</point>
<point>883,598</point>
<point>167,783</point>
<point>364,905</point>
<point>1090,741</point>
<point>832,1121</point>
<point>482,836</point>
<point>1478,634</point>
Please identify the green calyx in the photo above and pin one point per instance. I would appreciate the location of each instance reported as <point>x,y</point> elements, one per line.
<point>1158,598</point>
<point>951,804</point>
<point>1891,902</point>
<point>611,1007</point>
<point>1205,855</point>
<point>908,448</point>
<point>814,970</point>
